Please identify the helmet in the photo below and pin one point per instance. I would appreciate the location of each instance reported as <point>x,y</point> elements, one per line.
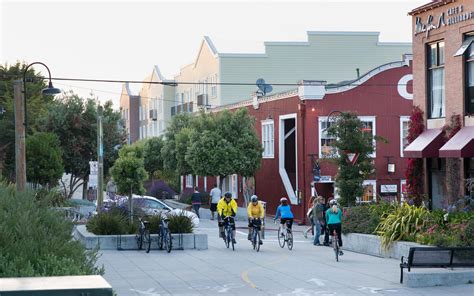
<point>333,202</point>
<point>254,198</point>
<point>227,194</point>
<point>283,199</point>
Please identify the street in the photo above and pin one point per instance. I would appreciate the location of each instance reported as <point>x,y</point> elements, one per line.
<point>306,270</point>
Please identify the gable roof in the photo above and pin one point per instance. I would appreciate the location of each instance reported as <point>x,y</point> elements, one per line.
<point>206,41</point>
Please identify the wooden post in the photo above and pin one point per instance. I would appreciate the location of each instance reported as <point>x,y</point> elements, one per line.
<point>20,149</point>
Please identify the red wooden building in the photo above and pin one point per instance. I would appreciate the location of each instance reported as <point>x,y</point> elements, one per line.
<point>291,126</point>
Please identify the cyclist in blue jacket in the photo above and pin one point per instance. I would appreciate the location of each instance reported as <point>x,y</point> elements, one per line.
<point>333,221</point>
<point>284,211</point>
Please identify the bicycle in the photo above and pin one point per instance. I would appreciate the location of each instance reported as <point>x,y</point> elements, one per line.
<point>335,244</point>
<point>255,236</point>
<point>164,235</point>
<point>143,235</point>
<point>285,237</point>
<point>228,233</point>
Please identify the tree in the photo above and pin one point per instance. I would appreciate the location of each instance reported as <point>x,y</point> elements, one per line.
<point>414,171</point>
<point>168,151</point>
<point>224,144</point>
<point>44,158</point>
<point>152,155</point>
<point>74,120</point>
<point>351,138</point>
<point>129,172</point>
<point>37,106</point>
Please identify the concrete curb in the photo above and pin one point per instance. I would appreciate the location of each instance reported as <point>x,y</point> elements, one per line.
<point>371,245</point>
<point>437,277</point>
<point>185,241</point>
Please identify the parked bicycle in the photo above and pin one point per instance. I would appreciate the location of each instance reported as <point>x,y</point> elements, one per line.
<point>164,235</point>
<point>285,237</point>
<point>143,235</point>
<point>228,236</point>
<point>255,235</point>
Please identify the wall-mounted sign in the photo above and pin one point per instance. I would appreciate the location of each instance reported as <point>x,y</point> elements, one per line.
<point>388,188</point>
<point>325,179</point>
<point>454,15</point>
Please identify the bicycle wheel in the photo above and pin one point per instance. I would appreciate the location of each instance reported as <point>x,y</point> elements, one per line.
<point>227,237</point>
<point>281,239</point>
<point>147,240</point>
<point>232,240</point>
<point>335,247</point>
<point>289,242</point>
<point>159,240</point>
<point>169,242</point>
<point>139,238</point>
<point>257,241</point>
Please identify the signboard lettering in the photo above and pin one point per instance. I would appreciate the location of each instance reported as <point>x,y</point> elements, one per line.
<point>455,15</point>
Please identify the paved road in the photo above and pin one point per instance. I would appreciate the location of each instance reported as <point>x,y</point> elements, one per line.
<point>306,270</point>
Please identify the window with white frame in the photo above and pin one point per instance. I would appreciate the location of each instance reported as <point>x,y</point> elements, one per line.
<point>370,191</point>
<point>234,185</point>
<point>189,181</point>
<point>436,91</point>
<point>214,86</point>
<point>404,124</point>
<point>268,141</point>
<point>403,190</point>
<point>368,126</point>
<point>326,148</point>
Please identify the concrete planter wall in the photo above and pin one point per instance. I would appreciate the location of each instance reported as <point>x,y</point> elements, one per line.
<point>184,241</point>
<point>370,244</point>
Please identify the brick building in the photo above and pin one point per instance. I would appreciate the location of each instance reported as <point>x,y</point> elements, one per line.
<point>443,75</point>
<point>291,126</point>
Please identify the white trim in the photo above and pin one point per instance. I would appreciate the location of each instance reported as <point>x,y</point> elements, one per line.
<point>268,138</point>
<point>402,182</point>
<point>321,119</point>
<point>205,183</point>
<point>189,181</point>
<point>374,131</point>
<point>403,119</point>
<point>290,191</point>
<point>197,181</point>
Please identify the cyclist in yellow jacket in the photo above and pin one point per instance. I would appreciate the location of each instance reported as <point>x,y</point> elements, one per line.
<point>227,207</point>
<point>256,214</point>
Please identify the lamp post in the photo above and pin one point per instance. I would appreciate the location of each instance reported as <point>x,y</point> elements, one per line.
<point>21,124</point>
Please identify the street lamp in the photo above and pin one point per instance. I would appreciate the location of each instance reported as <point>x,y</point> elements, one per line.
<point>21,124</point>
<point>50,90</point>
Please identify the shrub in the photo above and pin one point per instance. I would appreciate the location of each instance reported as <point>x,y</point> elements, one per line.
<point>154,223</point>
<point>401,224</point>
<point>180,223</point>
<point>159,189</point>
<point>359,219</point>
<point>36,241</point>
<point>78,203</point>
<point>185,196</point>
<point>52,197</point>
<point>115,221</point>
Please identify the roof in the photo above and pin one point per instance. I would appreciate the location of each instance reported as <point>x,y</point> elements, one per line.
<point>429,6</point>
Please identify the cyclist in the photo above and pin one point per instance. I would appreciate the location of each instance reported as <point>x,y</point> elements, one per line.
<point>284,211</point>
<point>227,207</point>
<point>255,211</point>
<point>333,221</point>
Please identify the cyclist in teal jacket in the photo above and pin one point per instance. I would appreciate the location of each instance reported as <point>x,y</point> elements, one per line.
<point>333,221</point>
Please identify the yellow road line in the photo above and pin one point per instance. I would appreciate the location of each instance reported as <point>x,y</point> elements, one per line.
<point>245,273</point>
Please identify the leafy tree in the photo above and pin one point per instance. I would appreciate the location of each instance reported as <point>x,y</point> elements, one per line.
<point>152,155</point>
<point>351,138</point>
<point>168,151</point>
<point>129,172</point>
<point>37,106</point>
<point>414,171</point>
<point>74,120</point>
<point>224,144</point>
<point>44,159</point>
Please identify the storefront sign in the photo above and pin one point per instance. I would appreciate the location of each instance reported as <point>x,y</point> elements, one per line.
<point>450,17</point>
<point>388,188</point>
<point>325,179</point>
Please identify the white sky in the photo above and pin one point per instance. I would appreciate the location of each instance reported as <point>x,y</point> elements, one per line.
<point>122,40</point>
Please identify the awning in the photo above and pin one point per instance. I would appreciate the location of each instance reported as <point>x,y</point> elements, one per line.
<point>464,46</point>
<point>426,145</point>
<point>460,145</point>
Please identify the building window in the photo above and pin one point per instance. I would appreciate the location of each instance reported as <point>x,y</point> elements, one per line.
<point>470,76</point>
<point>436,96</point>
<point>403,190</point>
<point>368,126</point>
<point>404,120</point>
<point>214,86</point>
<point>326,148</point>
<point>234,185</point>
<point>370,191</point>
<point>268,142</point>
<point>189,181</point>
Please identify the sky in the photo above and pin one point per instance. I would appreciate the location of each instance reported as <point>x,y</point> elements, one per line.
<point>123,40</point>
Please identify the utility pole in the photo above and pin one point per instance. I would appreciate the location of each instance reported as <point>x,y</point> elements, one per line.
<point>100,158</point>
<point>20,158</point>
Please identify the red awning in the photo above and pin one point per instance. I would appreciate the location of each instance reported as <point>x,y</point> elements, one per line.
<point>426,145</point>
<point>461,145</point>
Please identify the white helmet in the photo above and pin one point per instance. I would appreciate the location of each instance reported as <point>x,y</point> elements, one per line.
<point>333,202</point>
<point>254,198</point>
<point>283,199</point>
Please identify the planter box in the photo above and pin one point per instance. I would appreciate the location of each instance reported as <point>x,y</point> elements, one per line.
<point>185,241</point>
<point>370,244</point>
